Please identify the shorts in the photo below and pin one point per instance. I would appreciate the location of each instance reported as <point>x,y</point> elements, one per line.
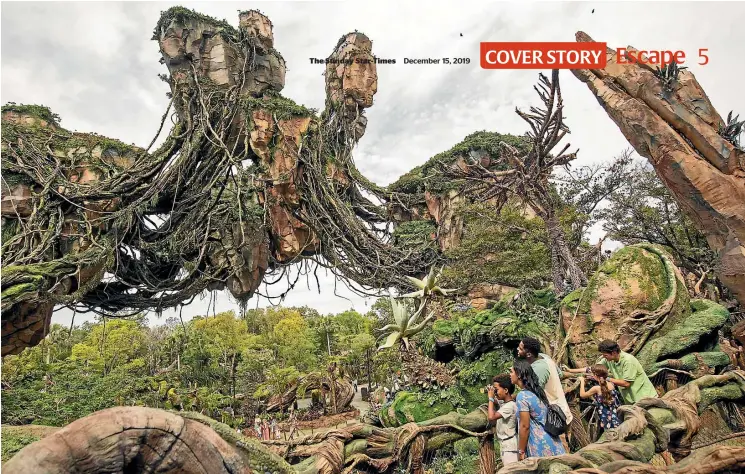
<point>508,457</point>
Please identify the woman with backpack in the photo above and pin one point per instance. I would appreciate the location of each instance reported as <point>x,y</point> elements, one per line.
<point>532,406</point>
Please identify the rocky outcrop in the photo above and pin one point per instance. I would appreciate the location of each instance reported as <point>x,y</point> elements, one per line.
<point>638,298</point>
<point>137,439</point>
<point>484,296</point>
<point>196,45</point>
<point>671,122</point>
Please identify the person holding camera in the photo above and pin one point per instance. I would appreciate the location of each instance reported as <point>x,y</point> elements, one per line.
<point>604,396</point>
<point>625,372</point>
<point>502,389</point>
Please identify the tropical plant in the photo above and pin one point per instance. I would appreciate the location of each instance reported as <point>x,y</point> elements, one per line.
<point>404,325</point>
<point>732,129</point>
<point>428,286</point>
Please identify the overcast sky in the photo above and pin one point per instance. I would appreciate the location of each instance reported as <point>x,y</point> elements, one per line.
<point>95,65</point>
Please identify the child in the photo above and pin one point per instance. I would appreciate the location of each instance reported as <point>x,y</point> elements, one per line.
<point>506,416</point>
<point>604,395</point>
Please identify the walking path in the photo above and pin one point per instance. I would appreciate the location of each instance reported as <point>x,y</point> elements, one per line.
<point>357,403</point>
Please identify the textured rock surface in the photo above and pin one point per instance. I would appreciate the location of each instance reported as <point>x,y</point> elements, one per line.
<point>630,300</point>
<point>443,209</point>
<point>483,296</point>
<point>633,278</point>
<point>677,131</point>
<point>137,439</point>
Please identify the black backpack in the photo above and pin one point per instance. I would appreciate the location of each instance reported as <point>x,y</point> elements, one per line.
<point>556,421</point>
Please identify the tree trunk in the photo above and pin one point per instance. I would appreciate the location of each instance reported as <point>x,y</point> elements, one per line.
<point>332,384</point>
<point>232,375</point>
<point>487,456</point>
<point>557,271</point>
<point>562,260</point>
<point>677,129</point>
<point>369,380</point>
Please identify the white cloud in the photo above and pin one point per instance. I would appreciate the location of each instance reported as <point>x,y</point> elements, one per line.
<point>95,65</point>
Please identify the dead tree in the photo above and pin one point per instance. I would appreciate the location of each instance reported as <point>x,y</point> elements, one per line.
<point>527,177</point>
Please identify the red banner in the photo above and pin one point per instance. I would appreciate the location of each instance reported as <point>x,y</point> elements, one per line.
<point>527,55</point>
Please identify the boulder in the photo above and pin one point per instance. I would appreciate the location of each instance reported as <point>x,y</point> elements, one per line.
<point>484,296</point>
<point>638,297</point>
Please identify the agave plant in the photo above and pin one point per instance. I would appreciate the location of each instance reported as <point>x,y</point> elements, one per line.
<point>668,75</point>
<point>732,129</point>
<point>428,286</point>
<point>404,325</point>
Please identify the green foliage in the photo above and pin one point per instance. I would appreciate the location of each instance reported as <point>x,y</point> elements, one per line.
<point>293,343</point>
<point>13,441</point>
<point>466,446</point>
<point>517,315</point>
<point>643,210</point>
<point>204,365</point>
<point>582,189</point>
<point>447,462</point>
<point>117,342</point>
<point>668,75</point>
<point>277,381</point>
<point>39,111</point>
<point>416,235</point>
<point>405,323</point>
<point>181,15</point>
<point>384,365</point>
<point>499,247</point>
<point>466,394</point>
<point>280,107</point>
<point>426,178</point>
<point>732,129</point>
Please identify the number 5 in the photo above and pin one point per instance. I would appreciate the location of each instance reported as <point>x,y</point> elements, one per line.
<point>701,54</point>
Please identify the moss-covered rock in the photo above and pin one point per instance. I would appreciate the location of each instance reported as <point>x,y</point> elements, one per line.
<point>40,112</point>
<point>698,330</point>
<point>426,178</point>
<point>637,277</point>
<point>466,395</point>
<point>517,314</point>
<point>14,442</point>
<point>466,446</point>
<point>410,407</point>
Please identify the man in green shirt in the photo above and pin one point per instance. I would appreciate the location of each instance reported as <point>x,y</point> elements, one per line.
<point>626,373</point>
